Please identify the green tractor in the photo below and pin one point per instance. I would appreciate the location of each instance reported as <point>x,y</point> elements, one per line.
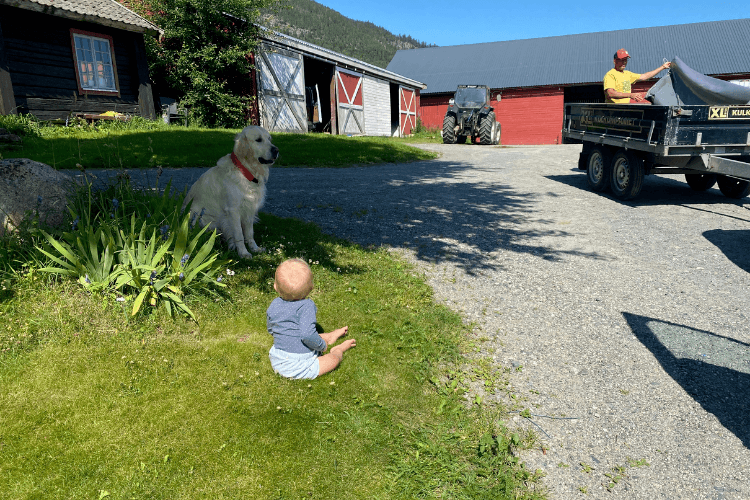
<point>470,115</point>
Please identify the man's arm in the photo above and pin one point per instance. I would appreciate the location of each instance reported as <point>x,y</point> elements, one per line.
<point>651,74</point>
<point>614,94</point>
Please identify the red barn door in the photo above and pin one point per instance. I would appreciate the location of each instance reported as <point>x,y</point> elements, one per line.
<point>407,110</point>
<point>351,110</point>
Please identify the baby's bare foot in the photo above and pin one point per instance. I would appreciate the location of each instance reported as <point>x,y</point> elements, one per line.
<point>344,346</point>
<point>340,332</point>
<point>332,337</point>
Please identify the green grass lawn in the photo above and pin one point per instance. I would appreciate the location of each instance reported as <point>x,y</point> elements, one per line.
<point>96,403</point>
<point>177,146</point>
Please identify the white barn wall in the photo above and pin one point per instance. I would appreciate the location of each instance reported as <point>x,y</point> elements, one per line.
<point>377,103</point>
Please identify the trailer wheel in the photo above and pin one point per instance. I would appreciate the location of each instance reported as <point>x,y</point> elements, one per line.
<point>597,168</point>
<point>449,126</point>
<point>626,175</point>
<point>487,129</point>
<point>733,188</point>
<point>700,182</point>
<point>460,139</point>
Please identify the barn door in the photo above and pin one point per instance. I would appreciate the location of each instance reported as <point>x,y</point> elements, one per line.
<point>351,110</point>
<point>281,90</point>
<point>407,110</point>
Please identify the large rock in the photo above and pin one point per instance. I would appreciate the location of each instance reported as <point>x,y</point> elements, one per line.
<point>28,186</point>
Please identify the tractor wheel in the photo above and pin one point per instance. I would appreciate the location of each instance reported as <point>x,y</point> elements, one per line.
<point>700,182</point>
<point>733,188</point>
<point>449,126</point>
<point>496,139</point>
<point>486,129</point>
<point>460,139</point>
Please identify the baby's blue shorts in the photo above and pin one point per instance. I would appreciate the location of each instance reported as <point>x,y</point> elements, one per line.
<point>294,365</point>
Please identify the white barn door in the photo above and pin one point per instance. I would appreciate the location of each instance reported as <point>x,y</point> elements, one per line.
<point>377,101</point>
<point>281,90</point>
<point>350,103</point>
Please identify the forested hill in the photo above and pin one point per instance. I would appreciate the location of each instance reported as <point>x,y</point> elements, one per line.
<point>318,24</point>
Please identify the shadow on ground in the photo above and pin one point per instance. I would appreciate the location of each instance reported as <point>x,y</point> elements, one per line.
<point>713,369</point>
<point>430,207</point>
<point>660,190</point>
<point>734,244</point>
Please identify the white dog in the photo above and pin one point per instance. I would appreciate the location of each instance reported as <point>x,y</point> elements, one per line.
<point>228,196</point>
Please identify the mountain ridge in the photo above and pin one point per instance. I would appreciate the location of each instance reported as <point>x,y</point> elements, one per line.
<point>315,23</point>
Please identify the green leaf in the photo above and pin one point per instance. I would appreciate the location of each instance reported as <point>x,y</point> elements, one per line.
<point>64,250</point>
<point>139,300</point>
<point>70,269</point>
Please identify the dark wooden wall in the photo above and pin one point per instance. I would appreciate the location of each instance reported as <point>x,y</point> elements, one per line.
<point>38,56</point>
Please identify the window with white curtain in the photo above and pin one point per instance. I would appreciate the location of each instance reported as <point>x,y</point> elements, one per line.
<point>94,62</point>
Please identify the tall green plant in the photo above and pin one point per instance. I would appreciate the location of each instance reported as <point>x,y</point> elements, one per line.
<point>162,269</point>
<point>203,57</point>
<point>137,244</point>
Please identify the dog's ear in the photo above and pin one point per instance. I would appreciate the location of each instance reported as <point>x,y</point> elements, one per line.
<point>242,146</point>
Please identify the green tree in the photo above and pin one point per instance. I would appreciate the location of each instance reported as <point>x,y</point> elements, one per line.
<point>203,58</point>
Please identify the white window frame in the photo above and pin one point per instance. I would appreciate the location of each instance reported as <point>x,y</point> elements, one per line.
<point>94,73</point>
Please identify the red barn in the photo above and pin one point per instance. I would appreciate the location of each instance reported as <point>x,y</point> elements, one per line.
<point>532,79</point>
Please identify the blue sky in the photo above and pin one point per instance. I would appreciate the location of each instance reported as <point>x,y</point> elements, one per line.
<point>445,22</point>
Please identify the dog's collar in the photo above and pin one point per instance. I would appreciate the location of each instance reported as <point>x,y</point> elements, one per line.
<point>243,169</point>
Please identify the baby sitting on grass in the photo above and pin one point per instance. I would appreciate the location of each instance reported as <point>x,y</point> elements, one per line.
<point>298,349</point>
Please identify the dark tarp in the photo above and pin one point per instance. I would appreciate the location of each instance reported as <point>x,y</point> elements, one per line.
<point>685,86</point>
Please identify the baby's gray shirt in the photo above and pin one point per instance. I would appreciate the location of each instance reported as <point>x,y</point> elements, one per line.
<point>292,324</point>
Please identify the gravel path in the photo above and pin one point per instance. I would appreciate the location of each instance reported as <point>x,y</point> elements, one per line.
<point>630,320</point>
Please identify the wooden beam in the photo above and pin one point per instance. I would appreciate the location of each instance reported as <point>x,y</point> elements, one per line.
<point>334,102</point>
<point>145,95</point>
<point>7,98</point>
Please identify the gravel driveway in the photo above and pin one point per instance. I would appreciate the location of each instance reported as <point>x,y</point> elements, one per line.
<point>626,321</point>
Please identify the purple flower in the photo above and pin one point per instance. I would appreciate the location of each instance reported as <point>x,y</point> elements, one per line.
<point>182,276</point>
<point>115,203</point>
<point>219,279</point>
<point>153,275</point>
<point>164,231</point>
<point>184,259</point>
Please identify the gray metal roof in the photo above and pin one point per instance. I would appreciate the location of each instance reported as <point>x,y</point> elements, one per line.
<point>711,48</point>
<point>332,57</point>
<point>106,12</point>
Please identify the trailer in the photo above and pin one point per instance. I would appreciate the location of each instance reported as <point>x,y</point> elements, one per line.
<point>623,143</point>
<point>698,126</point>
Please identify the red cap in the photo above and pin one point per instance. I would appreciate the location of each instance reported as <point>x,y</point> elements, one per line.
<point>622,54</point>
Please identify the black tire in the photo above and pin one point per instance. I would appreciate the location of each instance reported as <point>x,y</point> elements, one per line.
<point>487,129</point>
<point>626,175</point>
<point>449,126</point>
<point>733,188</point>
<point>460,139</point>
<point>497,133</point>
<point>700,182</point>
<point>598,163</point>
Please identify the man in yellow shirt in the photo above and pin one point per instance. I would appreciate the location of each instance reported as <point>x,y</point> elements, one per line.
<point>618,81</point>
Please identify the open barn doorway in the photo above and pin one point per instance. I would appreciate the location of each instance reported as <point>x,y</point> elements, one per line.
<point>584,94</point>
<point>319,103</point>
